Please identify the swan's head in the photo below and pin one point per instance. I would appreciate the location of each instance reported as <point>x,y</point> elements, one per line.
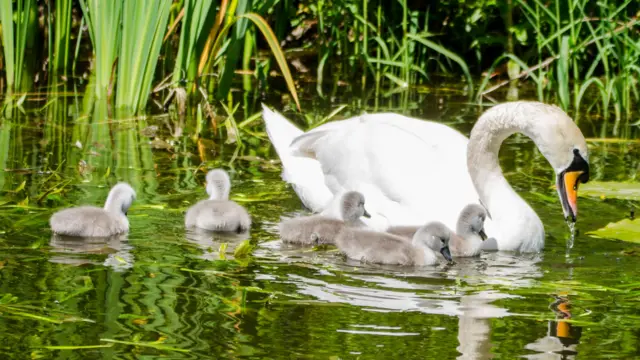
<point>434,235</point>
<point>120,198</point>
<point>471,220</point>
<point>352,206</point>
<point>218,184</point>
<point>563,145</point>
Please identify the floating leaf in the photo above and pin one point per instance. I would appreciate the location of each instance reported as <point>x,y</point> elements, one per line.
<point>222,249</point>
<point>611,189</point>
<point>243,249</point>
<point>625,230</point>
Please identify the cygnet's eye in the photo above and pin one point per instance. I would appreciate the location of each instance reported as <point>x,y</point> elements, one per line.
<point>442,240</point>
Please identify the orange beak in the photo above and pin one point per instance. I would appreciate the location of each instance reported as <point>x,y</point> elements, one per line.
<point>568,190</point>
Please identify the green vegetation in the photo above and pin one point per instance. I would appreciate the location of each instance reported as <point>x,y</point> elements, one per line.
<point>580,54</point>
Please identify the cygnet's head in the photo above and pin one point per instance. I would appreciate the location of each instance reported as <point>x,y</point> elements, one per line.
<point>434,235</point>
<point>120,198</point>
<point>352,206</point>
<point>471,221</point>
<point>218,184</point>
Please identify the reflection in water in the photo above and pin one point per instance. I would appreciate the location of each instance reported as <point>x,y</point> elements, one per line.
<point>387,288</point>
<point>210,242</point>
<point>562,337</point>
<point>69,250</point>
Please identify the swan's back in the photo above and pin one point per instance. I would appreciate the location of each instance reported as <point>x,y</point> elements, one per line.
<point>310,230</point>
<point>377,247</point>
<point>88,221</point>
<point>400,164</point>
<point>219,216</point>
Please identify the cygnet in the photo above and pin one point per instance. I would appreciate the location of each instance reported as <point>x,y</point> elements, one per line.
<point>384,248</point>
<point>92,221</point>
<point>218,213</point>
<point>467,241</point>
<point>319,229</point>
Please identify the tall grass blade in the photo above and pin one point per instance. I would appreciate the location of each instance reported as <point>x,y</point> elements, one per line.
<point>234,50</point>
<point>563,73</point>
<point>143,26</point>
<point>6,18</point>
<point>196,17</point>
<point>277,52</point>
<point>103,20</point>
<point>447,53</point>
<point>62,35</point>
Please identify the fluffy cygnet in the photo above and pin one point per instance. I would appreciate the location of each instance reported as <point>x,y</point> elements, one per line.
<point>319,229</point>
<point>92,221</point>
<point>469,232</point>
<point>218,213</point>
<point>467,241</point>
<point>384,248</point>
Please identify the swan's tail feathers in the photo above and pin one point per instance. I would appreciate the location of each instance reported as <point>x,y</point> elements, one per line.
<point>280,130</point>
<point>304,173</point>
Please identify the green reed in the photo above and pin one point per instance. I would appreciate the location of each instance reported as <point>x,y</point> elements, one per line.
<point>196,21</point>
<point>103,19</point>
<point>587,54</point>
<point>391,42</point>
<point>18,29</point>
<point>143,27</point>
<point>60,35</point>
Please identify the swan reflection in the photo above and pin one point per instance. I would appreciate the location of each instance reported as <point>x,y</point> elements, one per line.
<point>86,250</point>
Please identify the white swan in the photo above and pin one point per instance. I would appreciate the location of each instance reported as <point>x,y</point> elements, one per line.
<point>412,171</point>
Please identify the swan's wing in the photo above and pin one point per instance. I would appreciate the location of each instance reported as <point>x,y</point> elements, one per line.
<point>411,171</point>
<point>302,172</point>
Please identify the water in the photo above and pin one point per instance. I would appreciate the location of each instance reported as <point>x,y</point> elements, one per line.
<point>162,293</point>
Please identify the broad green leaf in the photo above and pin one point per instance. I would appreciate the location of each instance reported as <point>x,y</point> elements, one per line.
<point>611,189</point>
<point>625,230</point>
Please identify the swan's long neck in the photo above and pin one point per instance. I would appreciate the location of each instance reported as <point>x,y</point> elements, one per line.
<point>426,243</point>
<point>515,224</point>
<point>114,203</point>
<point>218,192</point>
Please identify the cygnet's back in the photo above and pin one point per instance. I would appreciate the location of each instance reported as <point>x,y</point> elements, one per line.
<point>404,231</point>
<point>384,248</point>
<point>319,229</point>
<point>470,232</point>
<point>218,213</point>
<point>91,221</point>
<point>467,241</point>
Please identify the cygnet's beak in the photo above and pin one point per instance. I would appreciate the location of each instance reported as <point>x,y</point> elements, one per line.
<point>446,253</point>
<point>567,185</point>
<point>366,214</point>
<point>483,236</point>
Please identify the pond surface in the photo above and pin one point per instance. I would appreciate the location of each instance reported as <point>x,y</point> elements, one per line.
<point>163,293</point>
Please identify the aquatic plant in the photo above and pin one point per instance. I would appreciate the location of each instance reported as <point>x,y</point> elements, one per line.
<point>143,26</point>
<point>580,45</point>
<point>103,21</point>
<point>59,42</point>
<point>15,37</point>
